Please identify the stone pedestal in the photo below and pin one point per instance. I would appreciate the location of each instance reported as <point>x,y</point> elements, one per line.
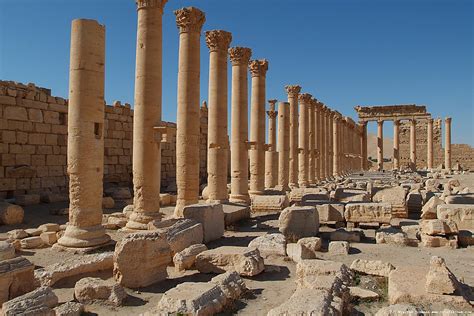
<point>293,92</point>
<point>413,144</point>
<point>396,144</point>
<point>429,158</point>
<point>147,116</point>
<point>258,70</point>
<point>239,56</point>
<point>312,142</point>
<point>303,140</point>
<point>218,42</point>
<point>447,143</point>
<point>85,151</point>
<point>283,145</point>
<point>189,21</point>
<point>271,155</point>
<point>380,145</point>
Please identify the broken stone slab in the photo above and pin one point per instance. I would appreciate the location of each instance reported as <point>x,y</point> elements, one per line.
<point>339,248</point>
<point>235,213</point>
<point>33,232</point>
<point>270,244</point>
<point>395,196</point>
<point>341,234</point>
<point>140,259</point>
<point>16,278</point>
<point>399,309</point>
<point>7,251</point>
<point>11,214</point>
<point>115,222</point>
<point>246,261</point>
<point>268,203</point>
<point>391,236</point>
<point>299,195</point>
<point>89,290</point>
<point>461,198</point>
<point>298,221</point>
<point>430,208</point>
<point>415,201</point>
<point>372,267</point>
<point>77,265</point>
<point>49,227</point>
<point>461,214</point>
<point>69,309</point>
<point>368,212</point>
<point>180,233</point>
<point>441,227</point>
<point>32,242</point>
<point>440,280</point>
<point>349,196</point>
<point>329,212</point>
<point>38,302</point>
<point>231,284</point>
<point>439,241</point>
<point>49,238</point>
<point>17,234</point>
<point>211,216</point>
<point>363,294</point>
<point>305,248</point>
<point>27,199</point>
<point>306,269</point>
<point>185,259</point>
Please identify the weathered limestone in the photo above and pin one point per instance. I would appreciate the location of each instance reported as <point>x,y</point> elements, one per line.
<point>189,21</point>
<point>338,248</point>
<point>211,216</point>
<point>391,236</point>
<point>147,115</point>
<point>396,144</point>
<point>269,203</point>
<point>11,214</point>
<point>372,267</point>
<point>305,248</point>
<point>363,294</point>
<point>318,139</point>
<point>89,290</point>
<point>293,92</point>
<point>450,241</point>
<point>243,260</point>
<point>429,138</point>
<point>303,139</point>
<point>329,212</point>
<point>380,145</point>
<point>258,70</point>
<point>239,56</point>
<point>447,143</point>
<point>16,278</point>
<point>283,145</point>
<point>271,155</point>
<point>429,209</point>
<point>7,251</point>
<point>440,280</point>
<point>364,145</point>
<point>438,227</point>
<point>140,259</point>
<point>69,309</point>
<point>50,275</point>
<point>270,244</point>
<point>185,259</point>
<point>85,136</point>
<point>296,222</point>
<point>368,212</point>
<point>413,144</point>
<point>38,302</point>
<point>461,214</point>
<point>323,140</point>
<point>336,145</point>
<point>312,142</point>
<point>396,196</point>
<point>218,42</point>
<point>341,234</point>
<point>181,233</point>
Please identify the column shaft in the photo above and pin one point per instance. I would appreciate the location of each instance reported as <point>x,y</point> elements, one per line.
<point>293,92</point>
<point>271,155</point>
<point>429,158</point>
<point>447,144</point>
<point>312,143</point>
<point>324,136</point>
<point>317,138</point>
<point>303,140</point>
<point>413,144</point>
<point>379,145</point>
<point>283,145</point>
<point>336,147</point>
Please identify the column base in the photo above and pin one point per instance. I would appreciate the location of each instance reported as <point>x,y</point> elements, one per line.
<point>293,185</point>
<point>256,192</point>
<point>222,201</point>
<point>239,199</point>
<point>84,237</point>
<point>139,221</point>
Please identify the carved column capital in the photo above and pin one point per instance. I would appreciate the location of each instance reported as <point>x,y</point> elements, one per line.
<point>448,119</point>
<point>144,4</point>
<point>258,68</point>
<point>218,40</point>
<point>239,55</point>
<point>293,90</point>
<point>272,103</point>
<point>305,98</point>
<point>190,19</point>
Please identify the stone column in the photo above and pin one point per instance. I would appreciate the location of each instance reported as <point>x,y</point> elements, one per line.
<point>271,155</point>
<point>258,70</point>
<point>85,151</point>
<point>413,144</point>
<point>364,146</point>
<point>303,139</point>
<point>312,142</point>
<point>189,21</point>
<point>323,139</point>
<point>293,92</point>
<point>396,144</point>
<point>218,42</point>
<point>329,144</point>
<point>147,116</point>
<point>447,143</point>
<point>283,145</point>
<point>335,145</point>
<point>317,139</point>
<point>380,145</point>
<point>429,158</point>
<point>239,56</point>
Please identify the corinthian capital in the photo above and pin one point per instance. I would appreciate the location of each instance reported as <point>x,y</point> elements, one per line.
<point>293,90</point>
<point>258,67</point>
<point>218,40</point>
<point>143,4</point>
<point>190,19</point>
<point>240,55</point>
<point>305,98</point>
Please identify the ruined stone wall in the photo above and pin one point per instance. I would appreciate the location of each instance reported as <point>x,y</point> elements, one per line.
<point>33,143</point>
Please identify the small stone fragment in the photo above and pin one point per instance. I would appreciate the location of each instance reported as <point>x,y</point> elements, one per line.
<point>372,267</point>
<point>339,248</point>
<point>185,259</point>
<point>88,290</point>
<point>246,261</point>
<point>440,280</point>
<point>7,251</point>
<point>69,309</point>
<point>270,244</point>
<point>32,242</point>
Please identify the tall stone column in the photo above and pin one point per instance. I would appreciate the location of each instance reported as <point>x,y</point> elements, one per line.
<point>323,149</point>
<point>396,144</point>
<point>317,139</point>
<point>147,115</point>
<point>283,145</point>
<point>312,142</point>
<point>336,146</point>
<point>329,144</point>
<point>413,144</point>
<point>85,151</point>
<point>271,155</point>
<point>364,146</point>
<point>239,56</point>
<point>447,143</point>
<point>218,42</point>
<point>258,70</point>
<point>380,145</point>
<point>189,21</point>
<point>303,139</point>
<point>293,92</point>
<point>429,158</point>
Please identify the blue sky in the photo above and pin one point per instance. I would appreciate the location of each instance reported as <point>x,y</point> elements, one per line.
<point>344,52</point>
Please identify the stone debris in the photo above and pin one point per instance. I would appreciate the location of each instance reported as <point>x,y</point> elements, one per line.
<point>299,221</point>
<point>38,302</point>
<point>341,234</point>
<point>348,195</point>
<point>363,294</point>
<point>439,241</point>
<point>428,211</point>
<point>391,236</point>
<point>140,259</point>
<point>33,232</point>
<point>165,199</point>
<point>328,212</point>
<point>49,238</point>
<point>11,214</point>
<point>7,251</point>
<point>69,309</point>
<point>185,259</point>
<point>246,261</point>
<point>372,267</point>
<point>441,227</point>
<point>235,213</point>
<point>399,309</point>
<point>211,216</point>
<point>461,214</point>
<point>50,275</point>
<point>269,203</point>
<point>49,227</point>
<point>305,248</point>
<point>396,197</point>
<point>302,195</point>
<point>368,212</point>
<point>440,280</point>
<point>32,242</point>
<point>339,248</point>
<point>270,244</point>
<point>89,290</point>
<point>17,234</point>
<point>16,278</point>
<point>180,233</point>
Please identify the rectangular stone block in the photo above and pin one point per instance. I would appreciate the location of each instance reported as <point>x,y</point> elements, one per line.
<point>368,212</point>
<point>461,214</point>
<point>211,216</point>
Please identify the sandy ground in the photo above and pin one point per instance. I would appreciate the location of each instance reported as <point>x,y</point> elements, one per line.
<point>267,290</point>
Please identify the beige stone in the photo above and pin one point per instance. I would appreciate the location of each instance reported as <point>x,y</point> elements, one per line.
<point>397,309</point>
<point>283,145</point>
<point>38,302</point>
<point>246,261</point>
<point>461,214</point>
<point>270,244</point>
<point>17,234</point>
<point>11,214</point>
<point>439,241</point>
<point>32,242</point>
<point>396,196</point>
<point>271,154</point>
<point>293,92</point>
<point>299,221</point>
<point>233,213</point>
<point>348,195</point>
<point>7,251</point>
<point>165,199</point>
<point>368,212</point>
<point>211,216</point>
<point>140,259</point>
<point>447,143</point>
<point>429,209</point>
<point>363,294</point>
<point>329,212</point>
<point>438,227</point>
<point>342,234</point>
<point>391,237</point>
<point>184,260</point>
<point>16,278</point>
<point>89,290</point>
<point>182,233</point>
<point>269,203</point>
<point>69,309</point>
<point>372,267</point>
<point>49,238</point>
<point>338,248</point>
<point>231,284</point>
<point>49,227</point>
<point>33,232</point>
<point>303,139</point>
<point>440,280</point>
<point>305,248</point>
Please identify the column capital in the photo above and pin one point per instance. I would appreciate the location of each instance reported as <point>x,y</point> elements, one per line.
<point>239,55</point>
<point>144,4</point>
<point>396,122</point>
<point>448,119</point>
<point>305,98</point>
<point>272,114</point>
<point>190,19</point>
<point>218,40</point>
<point>272,103</point>
<point>293,90</point>
<point>258,67</point>
<point>430,120</point>
<point>413,121</point>
<point>380,122</point>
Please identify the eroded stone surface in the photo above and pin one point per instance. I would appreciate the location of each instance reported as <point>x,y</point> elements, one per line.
<point>7,251</point>
<point>339,248</point>
<point>88,290</point>
<point>438,227</point>
<point>69,309</point>
<point>461,214</point>
<point>16,278</point>
<point>299,221</point>
<point>440,280</point>
<point>368,212</point>
<point>372,267</point>
<point>38,302</point>
<point>429,209</point>
<point>185,259</point>
<point>246,261</point>
<point>270,244</point>
<point>211,216</point>
<point>269,203</point>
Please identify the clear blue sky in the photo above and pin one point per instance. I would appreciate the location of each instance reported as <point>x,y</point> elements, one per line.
<point>344,52</point>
